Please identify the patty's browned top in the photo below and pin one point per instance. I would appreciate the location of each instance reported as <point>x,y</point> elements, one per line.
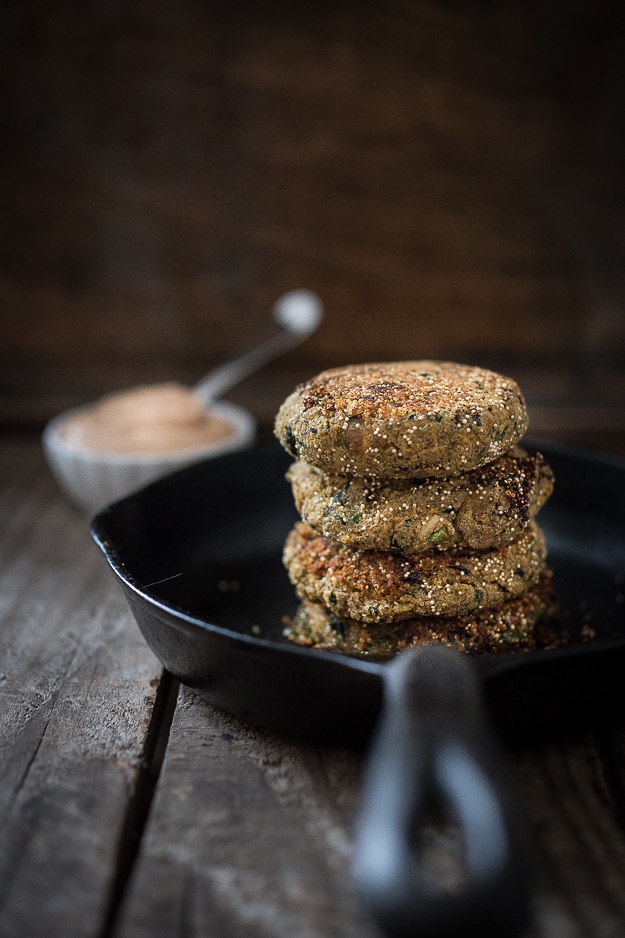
<point>390,389</point>
<point>402,419</point>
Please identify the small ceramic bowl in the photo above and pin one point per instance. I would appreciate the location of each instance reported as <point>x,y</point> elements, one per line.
<point>92,480</point>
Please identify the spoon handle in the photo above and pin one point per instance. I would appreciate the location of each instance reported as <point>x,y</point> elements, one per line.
<point>433,755</point>
<point>226,376</point>
<point>298,313</point>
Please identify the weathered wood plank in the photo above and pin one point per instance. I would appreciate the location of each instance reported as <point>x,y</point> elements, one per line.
<point>77,688</point>
<point>249,835</point>
<point>580,846</point>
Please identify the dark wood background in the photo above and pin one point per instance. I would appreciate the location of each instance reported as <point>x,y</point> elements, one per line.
<point>449,177</point>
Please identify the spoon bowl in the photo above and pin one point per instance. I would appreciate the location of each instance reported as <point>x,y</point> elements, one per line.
<point>92,479</point>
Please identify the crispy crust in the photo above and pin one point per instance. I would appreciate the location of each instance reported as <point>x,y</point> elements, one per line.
<point>402,420</point>
<point>379,586</point>
<point>522,624</point>
<point>479,509</point>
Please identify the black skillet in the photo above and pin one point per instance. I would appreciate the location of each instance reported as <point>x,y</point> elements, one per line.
<point>198,556</point>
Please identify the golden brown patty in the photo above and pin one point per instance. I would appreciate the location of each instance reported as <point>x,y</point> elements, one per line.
<point>402,420</point>
<point>481,508</point>
<point>379,586</point>
<point>522,624</point>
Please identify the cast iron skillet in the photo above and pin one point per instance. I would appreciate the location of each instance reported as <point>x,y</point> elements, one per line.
<point>198,557</point>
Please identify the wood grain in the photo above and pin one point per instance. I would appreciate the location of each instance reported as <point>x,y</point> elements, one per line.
<point>77,685</point>
<point>249,835</point>
<point>579,842</point>
<point>448,177</point>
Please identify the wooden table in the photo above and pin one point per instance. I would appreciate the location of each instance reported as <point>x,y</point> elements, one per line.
<point>129,807</point>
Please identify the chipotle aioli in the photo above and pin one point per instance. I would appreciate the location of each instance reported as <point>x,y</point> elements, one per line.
<point>156,418</point>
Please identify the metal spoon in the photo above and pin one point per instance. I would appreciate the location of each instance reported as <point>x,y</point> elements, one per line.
<point>298,312</point>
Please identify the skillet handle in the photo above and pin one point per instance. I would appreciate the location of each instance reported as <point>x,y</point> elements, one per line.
<point>433,752</point>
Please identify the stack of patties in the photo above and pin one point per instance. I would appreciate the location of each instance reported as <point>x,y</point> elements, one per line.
<point>417,510</point>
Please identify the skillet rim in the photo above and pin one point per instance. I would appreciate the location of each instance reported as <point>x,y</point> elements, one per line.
<point>185,621</point>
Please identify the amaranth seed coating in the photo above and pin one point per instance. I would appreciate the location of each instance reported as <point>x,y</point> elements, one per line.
<point>379,586</point>
<point>402,420</point>
<point>522,624</point>
<point>481,508</point>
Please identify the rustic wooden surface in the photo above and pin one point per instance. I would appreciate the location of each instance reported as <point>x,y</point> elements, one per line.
<point>78,689</point>
<point>249,833</point>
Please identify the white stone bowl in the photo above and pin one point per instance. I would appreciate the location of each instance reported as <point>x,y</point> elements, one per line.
<point>92,480</point>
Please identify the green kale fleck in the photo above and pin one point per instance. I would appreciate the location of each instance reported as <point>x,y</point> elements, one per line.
<point>510,638</point>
